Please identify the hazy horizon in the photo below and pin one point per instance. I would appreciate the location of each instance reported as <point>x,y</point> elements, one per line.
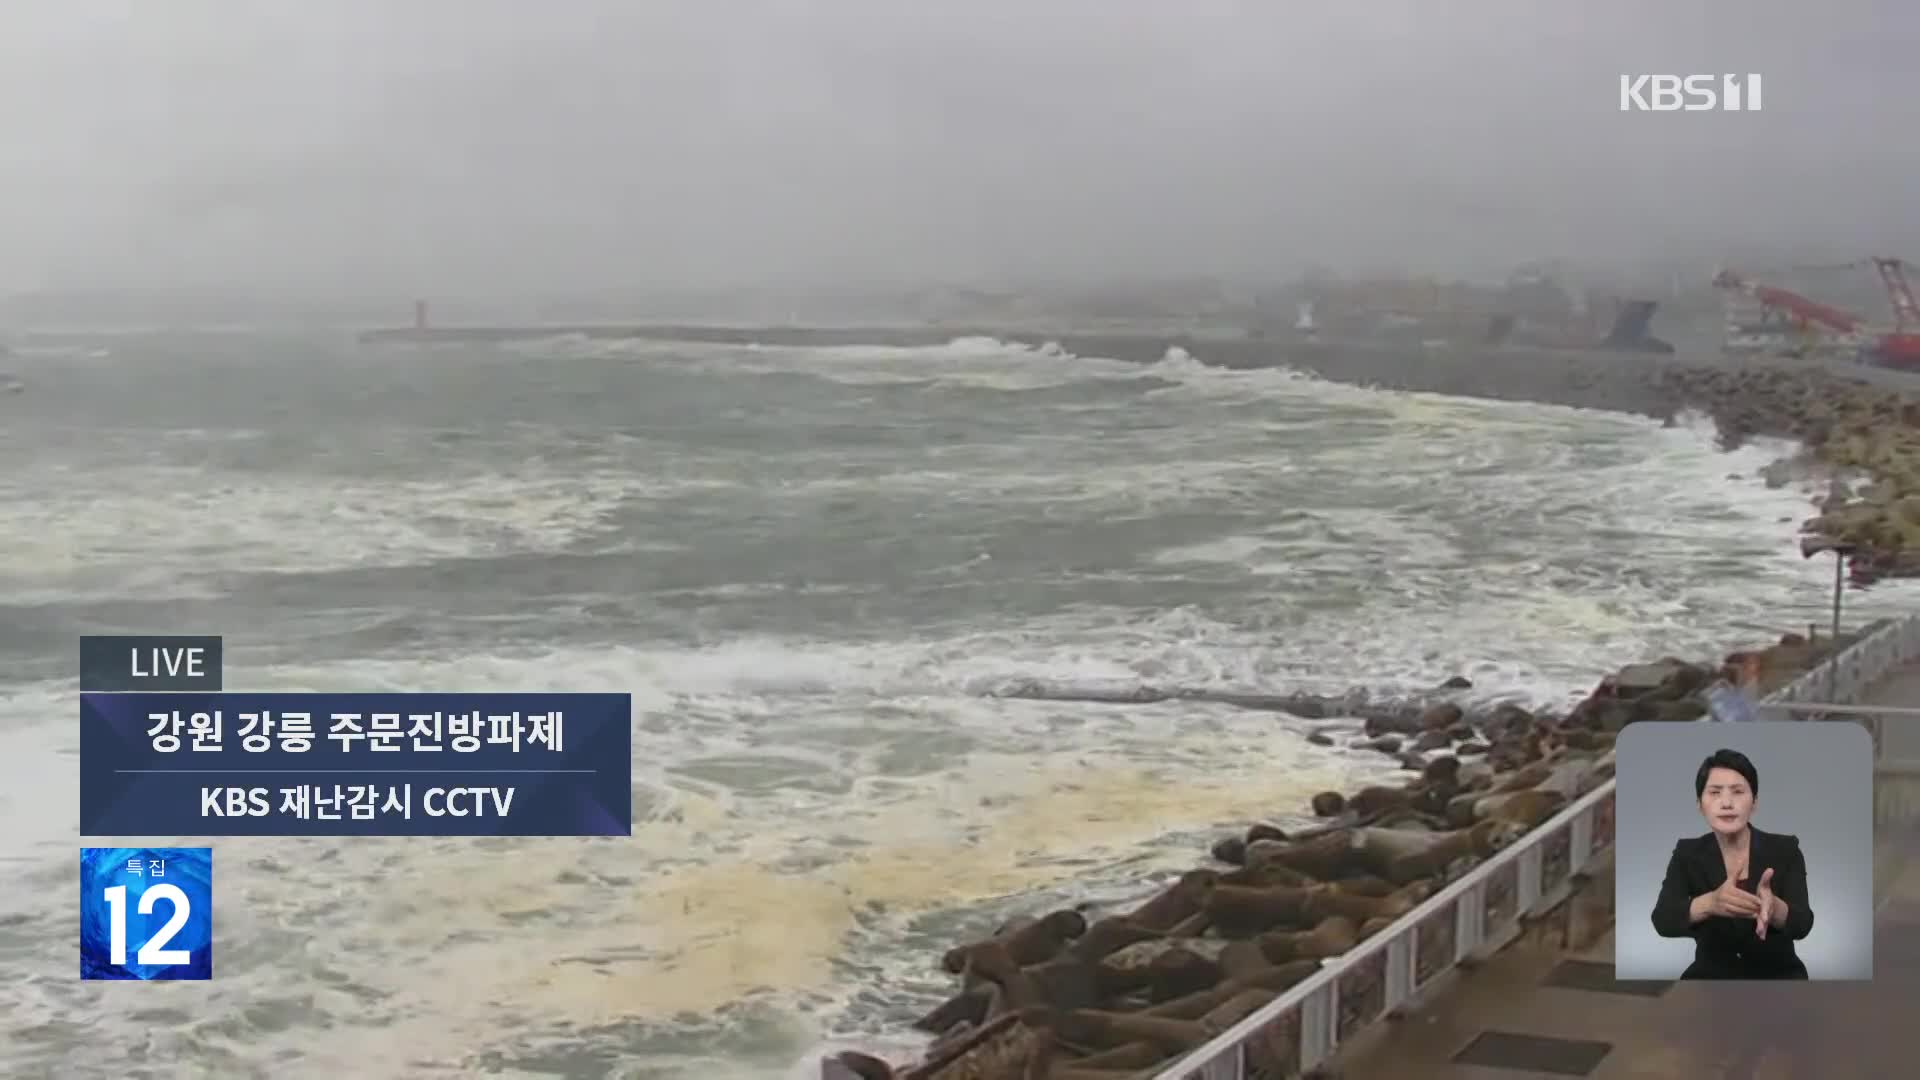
<point>346,152</point>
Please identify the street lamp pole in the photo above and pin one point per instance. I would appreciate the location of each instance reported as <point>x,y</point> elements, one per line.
<point>1833,662</point>
<point>1840,554</point>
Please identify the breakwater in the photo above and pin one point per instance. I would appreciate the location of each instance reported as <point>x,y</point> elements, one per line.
<point>1852,417</point>
<point>1594,378</point>
<point>1069,997</point>
<point>1864,431</point>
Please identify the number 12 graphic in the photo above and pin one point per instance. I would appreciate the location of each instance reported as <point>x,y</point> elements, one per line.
<point>157,900</point>
<point>154,951</point>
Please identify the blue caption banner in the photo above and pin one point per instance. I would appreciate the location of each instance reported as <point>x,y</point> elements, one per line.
<point>237,764</point>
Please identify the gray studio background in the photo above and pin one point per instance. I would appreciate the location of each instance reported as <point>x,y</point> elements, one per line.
<point>1816,782</point>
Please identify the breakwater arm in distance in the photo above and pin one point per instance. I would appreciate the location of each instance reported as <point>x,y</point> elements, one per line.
<point>1585,377</point>
<point>1851,417</point>
<point>1077,996</point>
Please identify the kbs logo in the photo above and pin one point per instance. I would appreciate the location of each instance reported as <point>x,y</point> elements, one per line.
<point>1689,93</point>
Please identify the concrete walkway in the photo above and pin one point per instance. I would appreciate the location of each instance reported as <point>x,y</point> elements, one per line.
<point>1552,1016</point>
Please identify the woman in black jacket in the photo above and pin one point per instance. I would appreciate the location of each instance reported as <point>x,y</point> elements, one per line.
<point>1738,892</point>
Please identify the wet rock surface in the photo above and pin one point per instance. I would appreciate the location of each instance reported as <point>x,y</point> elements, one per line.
<point>1849,427</point>
<point>1073,996</point>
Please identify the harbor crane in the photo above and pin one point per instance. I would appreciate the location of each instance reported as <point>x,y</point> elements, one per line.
<point>1896,347</point>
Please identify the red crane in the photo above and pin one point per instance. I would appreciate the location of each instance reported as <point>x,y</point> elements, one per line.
<point>1897,347</point>
<point>1901,347</point>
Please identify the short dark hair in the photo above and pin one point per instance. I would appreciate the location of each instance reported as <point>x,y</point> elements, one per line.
<point>1726,759</point>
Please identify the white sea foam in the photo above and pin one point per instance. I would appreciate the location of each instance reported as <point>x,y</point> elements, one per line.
<point>158,530</point>
<point>785,802</point>
<point>804,803</point>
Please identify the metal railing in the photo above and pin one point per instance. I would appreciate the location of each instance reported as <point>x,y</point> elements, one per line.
<point>1478,914</point>
<point>1858,666</point>
<point>1896,768</point>
<point>1871,717</point>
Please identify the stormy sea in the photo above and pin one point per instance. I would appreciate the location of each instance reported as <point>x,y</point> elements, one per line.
<point>816,571</point>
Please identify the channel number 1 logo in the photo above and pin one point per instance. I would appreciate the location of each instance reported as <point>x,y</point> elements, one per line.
<point>146,913</point>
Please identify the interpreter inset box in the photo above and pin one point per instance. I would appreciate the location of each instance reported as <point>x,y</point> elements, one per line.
<point>1744,851</point>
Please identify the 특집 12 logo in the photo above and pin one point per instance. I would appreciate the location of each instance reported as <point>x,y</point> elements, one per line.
<point>146,913</point>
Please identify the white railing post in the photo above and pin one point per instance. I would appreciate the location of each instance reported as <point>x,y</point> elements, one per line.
<point>1581,841</point>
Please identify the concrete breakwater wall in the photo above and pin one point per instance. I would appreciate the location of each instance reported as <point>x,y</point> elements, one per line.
<point>1646,384</point>
<point>1621,382</point>
<point>1850,416</point>
<point>1582,378</point>
<point>1586,379</point>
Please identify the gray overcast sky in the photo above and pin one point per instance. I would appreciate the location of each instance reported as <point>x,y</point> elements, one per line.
<point>347,147</point>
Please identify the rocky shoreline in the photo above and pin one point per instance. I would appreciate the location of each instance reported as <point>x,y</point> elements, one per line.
<point>1845,425</point>
<point>1066,997</point>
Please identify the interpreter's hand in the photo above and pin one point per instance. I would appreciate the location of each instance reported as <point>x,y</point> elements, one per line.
<point>1764,916</point>
<point>1733,901</point>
